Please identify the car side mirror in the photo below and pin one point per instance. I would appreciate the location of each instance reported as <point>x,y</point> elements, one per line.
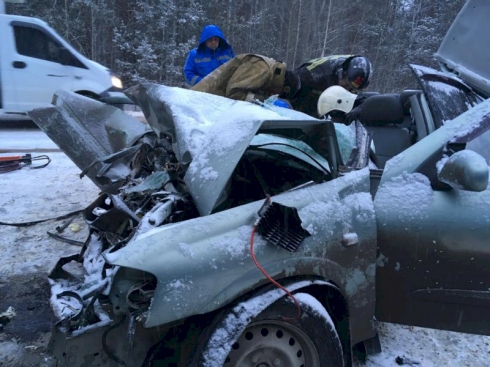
<point>465,170</point>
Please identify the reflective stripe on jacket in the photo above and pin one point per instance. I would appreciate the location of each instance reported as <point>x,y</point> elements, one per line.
<point>321,73</point>
<point>317,75</point>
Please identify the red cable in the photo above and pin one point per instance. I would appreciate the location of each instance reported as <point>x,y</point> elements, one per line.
<point>269,277</point>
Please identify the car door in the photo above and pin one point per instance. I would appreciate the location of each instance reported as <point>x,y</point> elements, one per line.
<point>36,68</point>
<point>433,240</point>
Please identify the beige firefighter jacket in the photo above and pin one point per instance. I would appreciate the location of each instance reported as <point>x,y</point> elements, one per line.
<point>245,77</point>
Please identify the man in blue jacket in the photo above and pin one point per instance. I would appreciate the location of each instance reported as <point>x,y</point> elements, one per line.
<point>213,51</point>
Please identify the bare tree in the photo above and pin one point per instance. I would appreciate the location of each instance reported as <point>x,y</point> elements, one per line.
<point>329,13</point>
<point>149,39</point>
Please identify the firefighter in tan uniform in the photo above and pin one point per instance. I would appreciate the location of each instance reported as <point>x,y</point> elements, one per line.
<point>250,76</point>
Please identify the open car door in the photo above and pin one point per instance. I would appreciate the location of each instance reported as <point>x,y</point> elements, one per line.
<point>433,213</point>
<point>461,52</point>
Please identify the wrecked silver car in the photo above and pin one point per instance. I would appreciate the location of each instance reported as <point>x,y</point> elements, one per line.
<point>233,234</point>
<point>172,244</point>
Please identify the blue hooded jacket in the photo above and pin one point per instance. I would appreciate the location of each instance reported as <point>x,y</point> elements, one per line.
<point>203,60</point>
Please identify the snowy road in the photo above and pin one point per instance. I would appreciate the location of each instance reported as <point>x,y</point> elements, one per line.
<point>28,254</point>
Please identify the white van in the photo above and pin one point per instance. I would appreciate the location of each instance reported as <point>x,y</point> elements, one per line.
<point>35,62</point>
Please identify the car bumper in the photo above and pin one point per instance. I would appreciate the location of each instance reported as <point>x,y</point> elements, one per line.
<point>115,96</point>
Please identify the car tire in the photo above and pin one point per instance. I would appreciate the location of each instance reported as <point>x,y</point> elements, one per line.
<point>275,338</point>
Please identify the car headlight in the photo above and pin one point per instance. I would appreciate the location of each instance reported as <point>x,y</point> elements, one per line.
<point>132,290</point>
<point>116,82</point>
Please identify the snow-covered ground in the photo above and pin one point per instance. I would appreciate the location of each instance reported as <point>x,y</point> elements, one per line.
<point>29,195</point>
<point>430,348</point>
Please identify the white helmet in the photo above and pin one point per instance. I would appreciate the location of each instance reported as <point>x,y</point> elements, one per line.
<point>335,98</point>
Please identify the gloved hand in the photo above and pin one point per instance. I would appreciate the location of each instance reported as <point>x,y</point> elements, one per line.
<point>362,96</point>
<point>353,115</point>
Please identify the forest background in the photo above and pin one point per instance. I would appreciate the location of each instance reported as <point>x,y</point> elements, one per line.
<point>148,40</point>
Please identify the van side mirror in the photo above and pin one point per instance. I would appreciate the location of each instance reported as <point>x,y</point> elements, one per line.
<point>465,170</point>
<point>65,56</point>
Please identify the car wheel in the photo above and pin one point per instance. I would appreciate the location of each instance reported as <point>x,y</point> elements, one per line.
<point>271,340</point>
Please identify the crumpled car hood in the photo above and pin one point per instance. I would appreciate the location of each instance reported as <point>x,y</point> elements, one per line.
<point>212,132</point>
<point>208,133</point>
<point>88,131</point>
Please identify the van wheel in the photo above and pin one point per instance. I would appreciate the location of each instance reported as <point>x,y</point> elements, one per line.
<point>269,340</point>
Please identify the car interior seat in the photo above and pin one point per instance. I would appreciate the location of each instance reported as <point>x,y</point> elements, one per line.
<point>387,119</point>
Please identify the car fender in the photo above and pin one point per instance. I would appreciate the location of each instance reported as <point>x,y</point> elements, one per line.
<point>205,263</point>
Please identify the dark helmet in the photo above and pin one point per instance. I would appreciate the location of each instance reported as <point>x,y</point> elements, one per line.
<point>358,72</point>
